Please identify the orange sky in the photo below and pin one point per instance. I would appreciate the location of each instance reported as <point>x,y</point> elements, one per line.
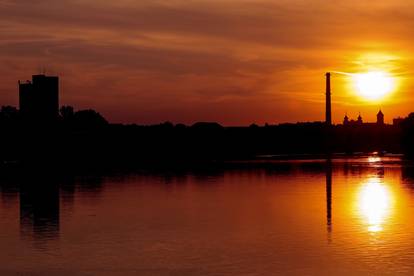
<point>231,61</point>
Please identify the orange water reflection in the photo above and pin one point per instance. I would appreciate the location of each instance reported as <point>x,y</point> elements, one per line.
<point>335,217</point>
<point>374,203</point>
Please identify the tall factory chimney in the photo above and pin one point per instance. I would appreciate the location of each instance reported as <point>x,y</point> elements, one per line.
<point>328,118</point>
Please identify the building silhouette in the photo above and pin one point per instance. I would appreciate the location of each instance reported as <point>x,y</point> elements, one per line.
<point>352,122</point>
<point>380,118</point>
<point>359,120</point>
<point>346,120</point>
<point>39,98</point>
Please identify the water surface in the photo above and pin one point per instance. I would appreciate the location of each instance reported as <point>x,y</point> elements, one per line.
<point>313,217</point>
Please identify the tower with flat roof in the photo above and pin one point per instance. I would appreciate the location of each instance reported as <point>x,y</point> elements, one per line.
<point>39,98</point>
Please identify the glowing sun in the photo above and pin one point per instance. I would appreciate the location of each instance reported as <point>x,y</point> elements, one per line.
<point>373,85</point>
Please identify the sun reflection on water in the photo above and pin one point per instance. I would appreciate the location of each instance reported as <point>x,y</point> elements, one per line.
<point>375,203</point>
<point>374,159</point>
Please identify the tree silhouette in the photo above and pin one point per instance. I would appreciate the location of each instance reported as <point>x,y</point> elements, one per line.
<point>9,114</point>
<point>88,119</point>
<point>67,112</point>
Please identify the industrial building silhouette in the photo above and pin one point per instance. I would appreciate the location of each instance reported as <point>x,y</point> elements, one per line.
<point>39,98</point>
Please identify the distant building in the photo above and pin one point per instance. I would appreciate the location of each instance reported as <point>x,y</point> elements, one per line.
<point>359,120</point>
<point>346,120</point>
<point>380,118</point>
<point>351,122</point>
<point>39,98</point>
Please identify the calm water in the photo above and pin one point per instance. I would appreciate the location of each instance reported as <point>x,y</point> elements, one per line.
<point>293,218</point>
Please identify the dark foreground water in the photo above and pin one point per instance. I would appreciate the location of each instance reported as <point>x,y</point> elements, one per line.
<point>314,217</point>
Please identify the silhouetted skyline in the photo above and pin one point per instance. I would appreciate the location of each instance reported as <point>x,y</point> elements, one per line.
<point>39,102</point>
<point>67,138</point>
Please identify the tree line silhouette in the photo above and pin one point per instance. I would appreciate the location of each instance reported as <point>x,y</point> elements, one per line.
<point>84,138</point>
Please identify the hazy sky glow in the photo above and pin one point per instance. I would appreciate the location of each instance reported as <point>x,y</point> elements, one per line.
<point>231,61</point>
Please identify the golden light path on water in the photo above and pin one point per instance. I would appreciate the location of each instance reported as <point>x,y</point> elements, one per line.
<point>374,203</point>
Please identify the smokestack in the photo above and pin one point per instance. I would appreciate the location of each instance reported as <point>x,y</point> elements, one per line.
<point>328,118</point>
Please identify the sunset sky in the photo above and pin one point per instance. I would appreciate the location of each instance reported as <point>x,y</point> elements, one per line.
<point>236,62</point>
